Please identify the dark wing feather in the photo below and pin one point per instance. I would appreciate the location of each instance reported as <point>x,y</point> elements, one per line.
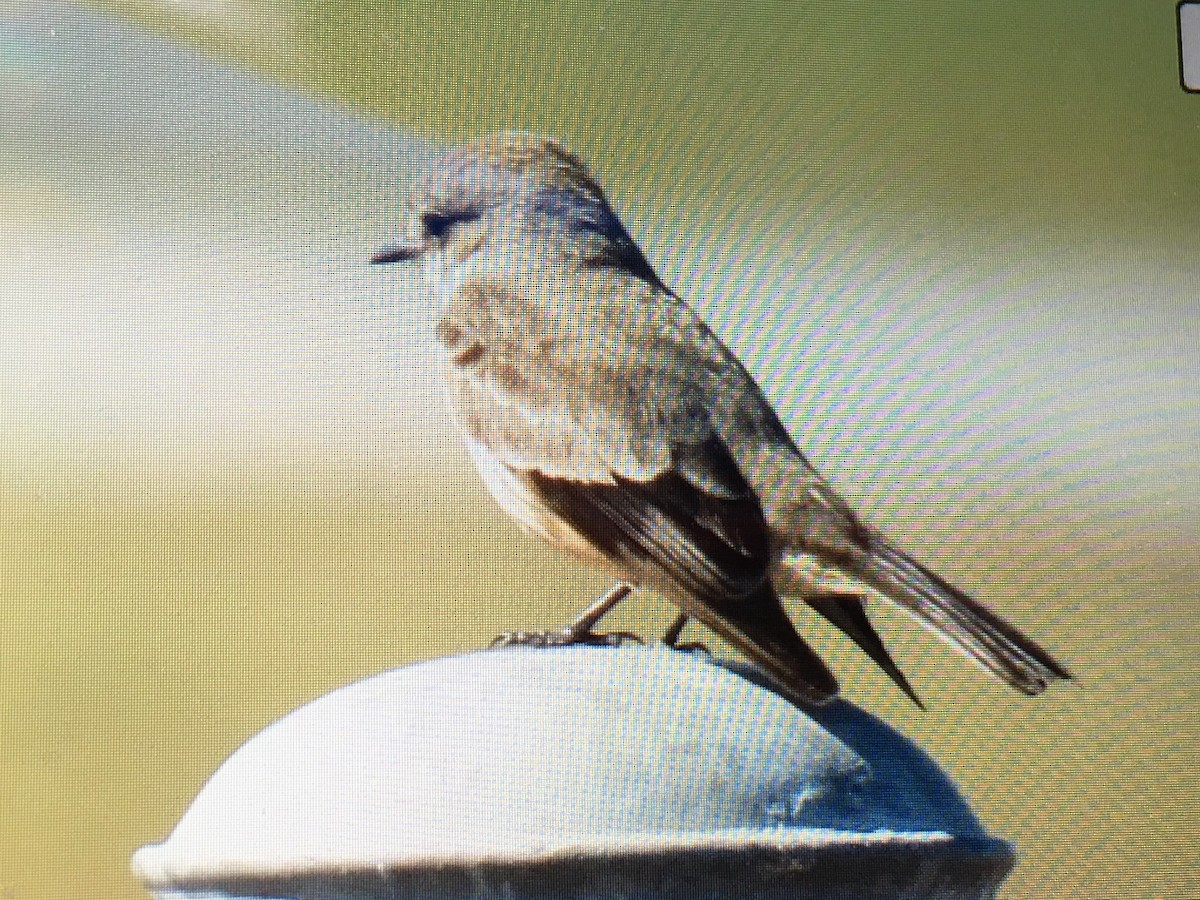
<point>705,544</point>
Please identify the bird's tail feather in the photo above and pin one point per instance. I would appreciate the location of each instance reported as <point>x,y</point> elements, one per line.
<point>996,645</point>
<point>847,613</point>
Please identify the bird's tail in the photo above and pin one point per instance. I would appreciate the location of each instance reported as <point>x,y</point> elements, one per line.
<point>997,646</point>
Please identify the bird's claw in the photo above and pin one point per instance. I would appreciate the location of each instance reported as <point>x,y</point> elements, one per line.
<point>691,647</point>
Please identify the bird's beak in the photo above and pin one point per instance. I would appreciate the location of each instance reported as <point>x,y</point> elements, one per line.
<point>411,241</point>
<point>399,253</point>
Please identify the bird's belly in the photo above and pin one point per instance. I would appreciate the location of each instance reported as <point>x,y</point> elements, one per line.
<point>523,504</point>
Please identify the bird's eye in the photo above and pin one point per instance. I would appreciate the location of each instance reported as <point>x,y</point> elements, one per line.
<point>438,224</point>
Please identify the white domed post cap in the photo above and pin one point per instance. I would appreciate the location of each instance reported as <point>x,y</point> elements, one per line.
<point>574,773</point>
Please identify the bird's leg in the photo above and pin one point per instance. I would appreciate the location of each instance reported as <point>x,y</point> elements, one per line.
<point>591,616</point>
<point>578,632</point>
<point>671,637</point>
<point>675,631</point>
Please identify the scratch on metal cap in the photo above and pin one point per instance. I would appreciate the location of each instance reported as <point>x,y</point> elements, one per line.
<point>574,773</point>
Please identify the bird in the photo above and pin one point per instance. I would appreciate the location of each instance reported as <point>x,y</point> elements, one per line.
<point>607,418</point>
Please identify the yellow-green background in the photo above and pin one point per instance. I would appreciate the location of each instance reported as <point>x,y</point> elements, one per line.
<point>956,242</point>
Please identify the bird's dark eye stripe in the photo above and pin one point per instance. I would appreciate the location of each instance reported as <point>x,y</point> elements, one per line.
<point>437,224</point>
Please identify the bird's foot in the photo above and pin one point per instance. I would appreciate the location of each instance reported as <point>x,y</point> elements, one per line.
<point>671,638</point>
<point>564,637</point>
<point>578,632</point>
<point>692,647</point>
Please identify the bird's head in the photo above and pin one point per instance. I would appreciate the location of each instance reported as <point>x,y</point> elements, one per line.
<point>512,194</point>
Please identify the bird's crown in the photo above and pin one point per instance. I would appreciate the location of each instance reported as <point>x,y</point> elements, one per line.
<point>524,154</point>
<point>520,150</point>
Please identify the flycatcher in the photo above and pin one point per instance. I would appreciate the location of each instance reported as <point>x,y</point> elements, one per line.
<point>607,418</point>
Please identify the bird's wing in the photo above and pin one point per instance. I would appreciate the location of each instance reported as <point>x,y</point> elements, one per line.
<point>599,392</point>
<point>600,399</point>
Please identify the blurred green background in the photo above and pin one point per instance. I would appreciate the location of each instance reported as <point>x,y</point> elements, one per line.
<point>955,242</point>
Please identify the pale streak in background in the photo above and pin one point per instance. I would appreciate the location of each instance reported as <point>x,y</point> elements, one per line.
<point>183,265</point>
<point>185,296</point>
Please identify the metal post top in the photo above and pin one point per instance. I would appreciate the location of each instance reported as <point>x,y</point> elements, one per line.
<point>574,772</point>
